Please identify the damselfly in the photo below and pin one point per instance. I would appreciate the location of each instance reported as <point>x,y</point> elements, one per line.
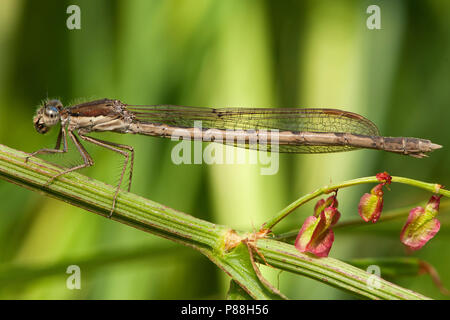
<point>298,130</point>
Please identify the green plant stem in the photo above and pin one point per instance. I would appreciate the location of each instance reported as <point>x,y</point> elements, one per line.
<point>135,211</point>
<point>206,237</point>
<point>334,272</point>
<point>432,187</point>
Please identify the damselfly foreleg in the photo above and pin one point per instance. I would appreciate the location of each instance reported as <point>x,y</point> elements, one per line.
<point>116,148</point>
<point>87,159</point>
<point>61,136</point>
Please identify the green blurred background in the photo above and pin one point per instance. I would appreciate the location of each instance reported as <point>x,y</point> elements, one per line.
<point>217,53</point>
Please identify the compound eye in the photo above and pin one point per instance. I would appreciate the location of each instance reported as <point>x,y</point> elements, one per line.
<point>51,112</point>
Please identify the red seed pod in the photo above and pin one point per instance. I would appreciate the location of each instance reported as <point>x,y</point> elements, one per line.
<point>371,204</point>
<point>421,225</point>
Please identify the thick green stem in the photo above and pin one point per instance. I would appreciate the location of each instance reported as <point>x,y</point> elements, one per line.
<point>97,197</point>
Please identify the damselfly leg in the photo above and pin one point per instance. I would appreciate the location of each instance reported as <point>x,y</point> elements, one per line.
<point>61,136</point>
<point>116,148</point>
<point>87,159</point>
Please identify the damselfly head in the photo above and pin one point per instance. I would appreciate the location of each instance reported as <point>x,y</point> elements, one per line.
<point>47,116</point>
